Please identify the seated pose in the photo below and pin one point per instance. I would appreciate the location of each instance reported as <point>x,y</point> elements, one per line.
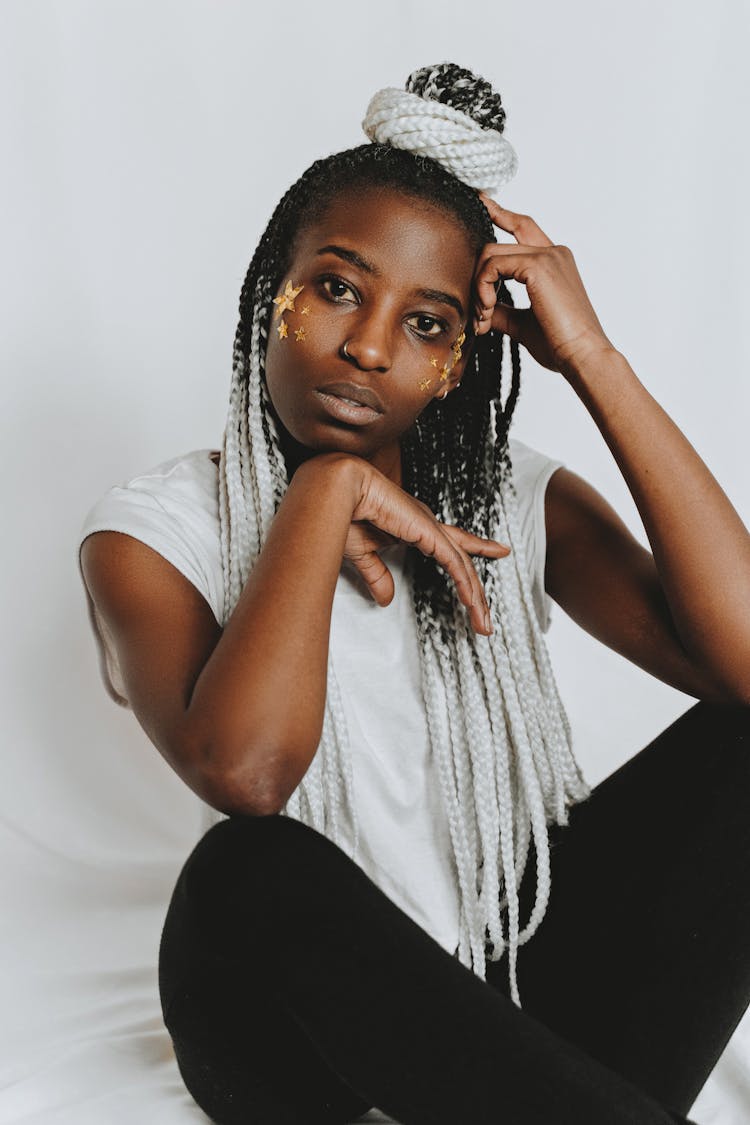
<point>405,895</point>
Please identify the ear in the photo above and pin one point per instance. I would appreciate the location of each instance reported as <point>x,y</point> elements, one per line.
<point>455,375</point>
<point>467,351</point>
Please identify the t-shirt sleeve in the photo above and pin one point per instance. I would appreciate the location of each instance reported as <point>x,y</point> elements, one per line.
<point>532,471</point>
<point>178,529</point>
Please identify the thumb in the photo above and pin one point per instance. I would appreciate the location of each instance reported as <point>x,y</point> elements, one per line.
<point>377,577</point>
<point>510,320</point>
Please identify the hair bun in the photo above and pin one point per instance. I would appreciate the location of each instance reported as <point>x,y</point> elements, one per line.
<point>450,115</point>
<point>464,90</point>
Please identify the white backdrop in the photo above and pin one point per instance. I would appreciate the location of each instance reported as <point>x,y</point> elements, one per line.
<point>145,145</point>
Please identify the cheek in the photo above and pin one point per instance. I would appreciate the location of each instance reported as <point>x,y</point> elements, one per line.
<point>303,353</point>
<point>304,337</point>
<point>300,355</point>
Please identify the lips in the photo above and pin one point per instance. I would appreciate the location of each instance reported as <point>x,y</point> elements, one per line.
<point>363,396</point>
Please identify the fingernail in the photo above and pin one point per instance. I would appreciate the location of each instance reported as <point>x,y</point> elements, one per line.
<point>487,622</point>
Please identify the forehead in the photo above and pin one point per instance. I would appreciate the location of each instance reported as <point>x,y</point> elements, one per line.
<point>410,241</point>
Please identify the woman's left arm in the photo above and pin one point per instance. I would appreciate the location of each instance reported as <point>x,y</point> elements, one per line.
<point>684,611</point>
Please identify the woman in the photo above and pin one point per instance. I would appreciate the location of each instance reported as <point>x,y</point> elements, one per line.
<point>383,767</point>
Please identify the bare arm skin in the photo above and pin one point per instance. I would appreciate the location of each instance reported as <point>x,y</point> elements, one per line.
<point>239,713</point>
<point>599,573</point>
<point>683,612</point>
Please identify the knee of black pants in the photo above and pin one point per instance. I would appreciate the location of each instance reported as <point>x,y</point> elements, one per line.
<point>713,740</point>
<point>258,873</point>
<point>704,755</point>
<point>258,852</point>
<point>701,782</point>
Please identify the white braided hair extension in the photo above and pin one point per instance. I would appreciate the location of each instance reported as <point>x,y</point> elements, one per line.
<point>503,755</point>
<point>423,120</point>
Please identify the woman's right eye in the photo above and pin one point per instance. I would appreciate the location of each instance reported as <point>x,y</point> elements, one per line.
<point>336,288</point>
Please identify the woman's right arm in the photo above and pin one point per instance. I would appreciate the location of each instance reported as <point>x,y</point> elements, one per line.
<point>239,713</point>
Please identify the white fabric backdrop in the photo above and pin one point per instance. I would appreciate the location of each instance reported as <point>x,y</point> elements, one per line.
<point>145,146</point>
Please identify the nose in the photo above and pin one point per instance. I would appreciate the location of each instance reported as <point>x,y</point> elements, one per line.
<point>368,345</point>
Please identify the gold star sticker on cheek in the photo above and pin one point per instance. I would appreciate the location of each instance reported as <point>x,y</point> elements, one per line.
<point>305,310</point>
<point>286,300</point>
<point>424,384</point>
<point>433,361</point>
<point>282,329</point>
<point>299,334</point>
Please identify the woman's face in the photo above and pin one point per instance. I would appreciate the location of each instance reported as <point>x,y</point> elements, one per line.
<point>388,278</point>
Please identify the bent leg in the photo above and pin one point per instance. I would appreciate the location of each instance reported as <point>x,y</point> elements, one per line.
<point>643,956</point>
<point>241,1055</point>
<point>280,955</point>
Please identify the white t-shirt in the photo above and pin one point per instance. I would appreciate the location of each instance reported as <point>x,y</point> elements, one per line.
<point>405,843</point>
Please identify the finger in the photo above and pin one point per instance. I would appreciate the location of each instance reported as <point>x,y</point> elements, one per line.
<point>500,263</point>
<point>469,588</point>
<point>377,576</point>
<point>504,318</point>
<point>418,525</point>
<point>477,544</point>
<point>433,541</point>
<point>504,261</point>
<point>522,227</point>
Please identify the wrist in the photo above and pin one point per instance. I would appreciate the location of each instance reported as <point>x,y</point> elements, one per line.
<point>341,471</point>
<point>588,365</point>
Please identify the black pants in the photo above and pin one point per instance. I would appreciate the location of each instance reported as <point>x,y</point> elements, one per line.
<point>296,992</point>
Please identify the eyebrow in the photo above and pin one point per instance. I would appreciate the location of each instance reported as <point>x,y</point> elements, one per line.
<point>445,298</point>
<point>367,267</point>
<point>350,256</point>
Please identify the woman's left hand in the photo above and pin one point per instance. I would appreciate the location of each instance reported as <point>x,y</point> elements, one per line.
<point>560,328</point>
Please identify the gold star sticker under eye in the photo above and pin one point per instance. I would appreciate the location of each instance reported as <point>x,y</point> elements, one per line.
<point>299,334</point>
<point>305,310</point>
<point>433,361</point>
<point>424,384</point>
<point>282,329</point>
<point>286,300</point>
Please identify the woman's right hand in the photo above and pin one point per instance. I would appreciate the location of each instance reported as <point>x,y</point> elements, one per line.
<point>384,514</point>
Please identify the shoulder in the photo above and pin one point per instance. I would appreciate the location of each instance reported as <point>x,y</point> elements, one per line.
<point>187,481</point>
<point>174,509</point>
<point>171,509</point>
<point>183,488</point>
<point>530,465</point>
<point>575,509</point>
<point>570,504</point>
<point>189,478</point>
<point>531,474</point>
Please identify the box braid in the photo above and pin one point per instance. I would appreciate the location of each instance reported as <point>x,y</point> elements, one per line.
<point>504,759</point>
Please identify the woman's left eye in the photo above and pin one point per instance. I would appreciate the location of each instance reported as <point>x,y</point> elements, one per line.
<point>427,325</point>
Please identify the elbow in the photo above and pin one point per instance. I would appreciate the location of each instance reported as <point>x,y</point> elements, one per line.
<point>736,687</point>
<point>250,787</point>
<point>739,698</point>
<point>233,797</point>
<point>734,693</point>
<point>723,683</point>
